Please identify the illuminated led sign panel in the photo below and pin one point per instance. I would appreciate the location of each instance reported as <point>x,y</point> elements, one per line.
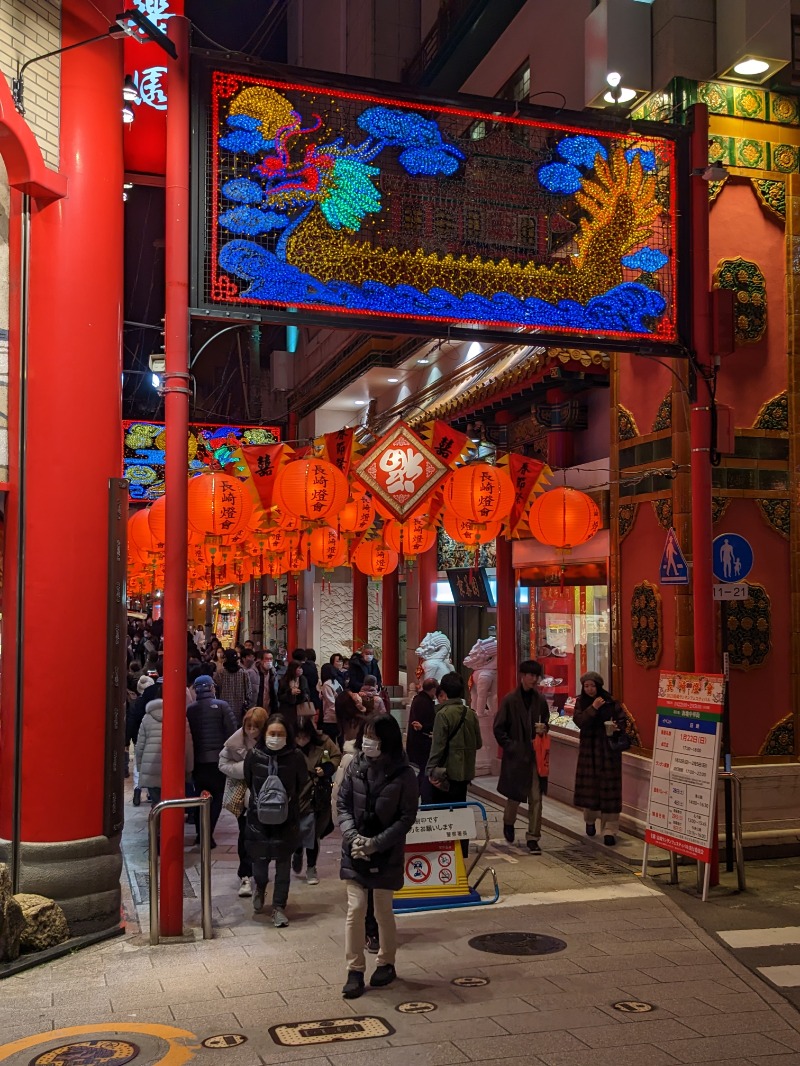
<point>327,202</point>
<point>144,455</point>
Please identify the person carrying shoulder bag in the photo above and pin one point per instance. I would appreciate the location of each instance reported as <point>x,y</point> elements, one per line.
<point>456,739</point>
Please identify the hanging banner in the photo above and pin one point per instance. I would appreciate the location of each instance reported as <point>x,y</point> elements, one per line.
<point>145,140</point>
<point>337,448</point>
<point>451,446</point>
<point>263,463</point>
<point>400,471</point>
<point>340,207</point>
<point>529,477</point>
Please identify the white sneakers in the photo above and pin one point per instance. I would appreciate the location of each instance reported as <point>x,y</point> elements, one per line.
<point>245,888</point>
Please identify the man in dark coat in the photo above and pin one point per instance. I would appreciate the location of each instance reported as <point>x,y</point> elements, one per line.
<point>360,665</point>
<point>523,713</point>
<point>420,733</point>
<point>598,775</point>
<point>211,722</point>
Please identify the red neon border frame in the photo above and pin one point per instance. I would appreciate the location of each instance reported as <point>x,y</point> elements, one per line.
<point>667,331</point>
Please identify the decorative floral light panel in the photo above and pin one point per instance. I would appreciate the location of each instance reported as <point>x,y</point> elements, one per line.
<point>144,455</point>
<point>337,202</point>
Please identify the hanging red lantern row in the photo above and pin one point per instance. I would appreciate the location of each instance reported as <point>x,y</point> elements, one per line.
<point>564,518</point>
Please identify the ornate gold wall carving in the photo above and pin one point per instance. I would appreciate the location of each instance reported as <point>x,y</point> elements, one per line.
<point>646,626</point>
<point>750,629</point>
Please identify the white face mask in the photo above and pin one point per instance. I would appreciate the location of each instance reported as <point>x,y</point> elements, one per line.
<point>275,743</point>
<point>368,658</point>
<point>371,748</point>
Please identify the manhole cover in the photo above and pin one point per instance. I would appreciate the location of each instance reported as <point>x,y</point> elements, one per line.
<point>517,944</point>
<point>632,1007</point>
<point>225,1040</point>
<point>470,982</point>
<point>590,865</point>
<point>330,1030</point>
<point>142,880</point>
<point>88,1053</point>
<point>415,1007</point>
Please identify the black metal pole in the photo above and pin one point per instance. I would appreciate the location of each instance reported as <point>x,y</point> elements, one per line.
<point>726,743</point>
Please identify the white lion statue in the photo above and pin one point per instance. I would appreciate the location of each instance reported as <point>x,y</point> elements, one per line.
<point>434,651</point>
<point>482,660</point>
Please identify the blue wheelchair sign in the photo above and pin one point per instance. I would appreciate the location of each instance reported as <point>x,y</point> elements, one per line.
<point>732,557</point>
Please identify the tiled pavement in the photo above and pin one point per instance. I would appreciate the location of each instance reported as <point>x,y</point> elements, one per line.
<point>625,942</point>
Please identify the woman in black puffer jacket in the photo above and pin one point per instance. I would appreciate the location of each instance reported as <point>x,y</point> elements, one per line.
<point>377,806</point>
<point>267,842</point>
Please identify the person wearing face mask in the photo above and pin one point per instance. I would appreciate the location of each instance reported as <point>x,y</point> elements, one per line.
<point>322,757</point>
<point>274,754</point>
<point>598,775</point>
<point>361,666</point>
<point>231,763</point>
<point>377,805</point>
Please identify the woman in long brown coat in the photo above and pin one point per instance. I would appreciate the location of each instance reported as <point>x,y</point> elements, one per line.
<point>598,778</point>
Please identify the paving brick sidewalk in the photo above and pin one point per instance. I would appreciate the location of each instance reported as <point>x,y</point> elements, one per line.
<point>624,942</point>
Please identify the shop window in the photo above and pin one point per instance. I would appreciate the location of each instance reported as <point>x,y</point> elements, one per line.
<point>567,630</point>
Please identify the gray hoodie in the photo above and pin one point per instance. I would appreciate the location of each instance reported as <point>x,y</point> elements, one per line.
<point>148,746</point>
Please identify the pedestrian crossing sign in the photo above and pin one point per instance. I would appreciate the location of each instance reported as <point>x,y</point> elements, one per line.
<point>674,570</point>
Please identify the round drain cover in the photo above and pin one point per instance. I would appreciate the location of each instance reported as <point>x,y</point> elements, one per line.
<point>633,1007</point>
<point>470,982</point>
<point>415,1007</point>
<point>517,944</point>
<point>88,1053</point>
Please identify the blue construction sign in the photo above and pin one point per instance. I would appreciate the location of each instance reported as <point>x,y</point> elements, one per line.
<point>674,570</point>
<point>732,557</point>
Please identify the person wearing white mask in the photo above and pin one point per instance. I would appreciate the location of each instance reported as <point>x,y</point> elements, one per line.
<point>274,754</point>
<point>377,805</point>
<point>361,666</point>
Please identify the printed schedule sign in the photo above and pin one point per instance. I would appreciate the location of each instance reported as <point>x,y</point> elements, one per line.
<point>686,750</point>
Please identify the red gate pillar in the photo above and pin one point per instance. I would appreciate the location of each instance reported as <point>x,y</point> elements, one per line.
<point>71,334</point>
<point>390,619</point>
<point>428,572</point>
<point>506,619</point>
<point>360,609</point>
<point>176,418</point>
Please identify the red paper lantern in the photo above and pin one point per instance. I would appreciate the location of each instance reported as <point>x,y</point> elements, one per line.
<point>470,533</point>
<point>157,519</point>
<point>375,558</point>
<point>311,488</point>
<point>564,518</point>
<point>326,548</point>
<point>412,537</point>
<point>357,515</point>
<point>277,565</point>
<point>141,535</point>
<point>479,493</point>
<point>219,505</point>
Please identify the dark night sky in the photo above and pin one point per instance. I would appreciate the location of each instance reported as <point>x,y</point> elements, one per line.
<point>257,28</point>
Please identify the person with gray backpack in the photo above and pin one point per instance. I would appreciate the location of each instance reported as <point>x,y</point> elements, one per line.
<point>276,774</point>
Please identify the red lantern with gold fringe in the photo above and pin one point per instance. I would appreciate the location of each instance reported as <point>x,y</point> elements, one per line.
<point>564,518</point>
<point>219,505</point>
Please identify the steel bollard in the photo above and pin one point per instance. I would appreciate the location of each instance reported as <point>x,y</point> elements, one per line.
<point>202,801</point>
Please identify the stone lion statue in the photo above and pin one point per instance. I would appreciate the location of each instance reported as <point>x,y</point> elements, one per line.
<point>434,651</point>
<point>482,660</point>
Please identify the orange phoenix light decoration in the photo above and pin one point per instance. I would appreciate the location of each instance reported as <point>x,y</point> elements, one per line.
<point>411,537</point>
<point>374,558</point>
<point>357,515</point>
<point>470,533</point>
<point>564,518</point>
<point>326,548</point>
<point>479,493</point>
<point>311,488</point>
<point>219,505</point>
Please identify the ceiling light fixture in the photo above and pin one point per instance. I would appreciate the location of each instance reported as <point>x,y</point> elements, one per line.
<point>129,90</point>
<point>474,350</point>
<point>749,67</point>
<point>619,96</point>
<point>393,381</point>
<point>423,362</point>
<point>359,403</point>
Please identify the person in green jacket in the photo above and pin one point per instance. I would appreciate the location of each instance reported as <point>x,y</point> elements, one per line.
<point>456,739</point>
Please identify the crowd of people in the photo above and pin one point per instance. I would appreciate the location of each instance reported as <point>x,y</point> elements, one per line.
<point>292,750</point>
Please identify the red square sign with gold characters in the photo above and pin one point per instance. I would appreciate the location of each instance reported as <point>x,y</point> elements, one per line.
<point>400,471</point>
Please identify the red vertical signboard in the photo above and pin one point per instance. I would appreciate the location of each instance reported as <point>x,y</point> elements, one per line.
<point>146,138</point>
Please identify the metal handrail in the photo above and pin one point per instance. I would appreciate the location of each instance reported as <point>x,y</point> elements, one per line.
<point>202,801</point>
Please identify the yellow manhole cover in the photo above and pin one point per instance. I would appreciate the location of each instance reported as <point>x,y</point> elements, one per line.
<point>88,1053</point>
<point>330,1030</point>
